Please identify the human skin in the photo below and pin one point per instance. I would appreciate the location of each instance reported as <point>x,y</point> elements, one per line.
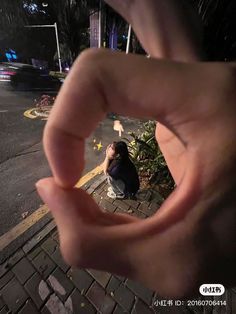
<point>110,154</point>
<point>191,238</point>
<point>168,30</point>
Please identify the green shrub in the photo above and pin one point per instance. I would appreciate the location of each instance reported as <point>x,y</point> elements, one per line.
<point>147,157</point>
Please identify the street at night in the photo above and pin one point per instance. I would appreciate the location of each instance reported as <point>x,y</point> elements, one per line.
<point>120,215</point>
<point>23,162</point>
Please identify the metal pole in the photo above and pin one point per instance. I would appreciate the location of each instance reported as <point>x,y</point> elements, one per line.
<point>57,40</point>
<point>100,25</point>
<point>128,39</point>
<point>58,47</point>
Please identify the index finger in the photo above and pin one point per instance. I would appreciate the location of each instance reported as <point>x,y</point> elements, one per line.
<point>102,81</point>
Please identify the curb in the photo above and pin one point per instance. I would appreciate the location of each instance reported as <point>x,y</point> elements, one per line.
<point>26,247</point>
<point>90,187</point>
<point>38,237</point>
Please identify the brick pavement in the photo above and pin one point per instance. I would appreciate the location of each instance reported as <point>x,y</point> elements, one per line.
<point>35,279</point>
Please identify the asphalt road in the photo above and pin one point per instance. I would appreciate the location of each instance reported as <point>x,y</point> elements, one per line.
<point>22,161</point>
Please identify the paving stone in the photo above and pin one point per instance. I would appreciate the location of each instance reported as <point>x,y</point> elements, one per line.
<point>130,211</point>
<point>119,310</point>
<point>113,284</point>
<point>33,253</point>
<point>97,296</point>
<point>90,191</point>
<point>124,297</point>
<point>97,183</point>
<point>108,305</point>
<point>49,246</point>
<point>4,311</point>
<point>157,197</point>
<point>1,303</point>
<point>142,292</point>
<point>121,204</point>
<point>96,197</point>
<point>144,195</point>
<point>55,236</point>
<point>58,259</point>
<point>100,189</point>
<point>104,195</point>
<point>153,208</point>
<point>81,279</point>
<point>144,208</point>
<point>54,305</point>
<point>46,311</point>
<point>38,289</point>
<point>38,237</point>
<point>10,262</point>
<point>23,270</point>
<point>61,284</point>
<point>121,211</point>
<point>44,264</point>
<point>28,308</point>
<point>133,203</point>
<point>233,301</point>
<point>108,206</point>
<point>121,278</point>
<point>141,308</point>
<point>5,279</point>
<point>80,304</point>
<point>230,298</point>
<point>85,186</point>
<point>14,295</point>
<point>140,215</point>
<point>100,276</point>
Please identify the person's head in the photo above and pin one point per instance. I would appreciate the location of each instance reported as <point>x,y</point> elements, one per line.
<point>121,149</point>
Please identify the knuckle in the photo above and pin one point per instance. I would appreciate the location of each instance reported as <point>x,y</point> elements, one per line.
<point>91,57</point>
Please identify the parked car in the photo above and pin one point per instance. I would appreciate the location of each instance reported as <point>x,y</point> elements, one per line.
<point>27,77</point>
<point>6,71</point>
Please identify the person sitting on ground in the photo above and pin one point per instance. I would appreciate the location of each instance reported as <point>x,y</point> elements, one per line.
<point>122,175</point>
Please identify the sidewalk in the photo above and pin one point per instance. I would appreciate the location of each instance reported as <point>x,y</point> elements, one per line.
<point>36,279</point>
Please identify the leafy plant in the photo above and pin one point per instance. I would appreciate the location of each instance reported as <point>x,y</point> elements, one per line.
<point>147,157</point>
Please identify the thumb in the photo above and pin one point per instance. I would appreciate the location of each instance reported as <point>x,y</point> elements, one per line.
<point>82,226</point>
<point>67,206</point>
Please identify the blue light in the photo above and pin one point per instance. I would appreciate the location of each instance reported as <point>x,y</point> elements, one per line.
<point>11,55</point>
<point>32,7</point>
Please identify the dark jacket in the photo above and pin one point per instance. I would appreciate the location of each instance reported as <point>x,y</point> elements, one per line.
<point>125,170</point>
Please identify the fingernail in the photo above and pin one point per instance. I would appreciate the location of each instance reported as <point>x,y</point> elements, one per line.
<point>42,189</point>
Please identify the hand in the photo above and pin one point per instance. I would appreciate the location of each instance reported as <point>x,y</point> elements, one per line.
<point>110,153</point>
<point>194,229</point>
<point>171,30</point>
